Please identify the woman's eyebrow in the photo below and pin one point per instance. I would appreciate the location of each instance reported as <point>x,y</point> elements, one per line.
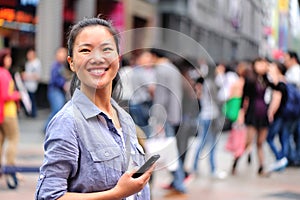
<point>84,44</point>
<point>90,45</point>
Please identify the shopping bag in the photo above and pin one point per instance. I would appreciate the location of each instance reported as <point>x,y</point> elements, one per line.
<point>231,108</point>
<point>23,92</point>
<point>236,140</point>
<point>166,147</point>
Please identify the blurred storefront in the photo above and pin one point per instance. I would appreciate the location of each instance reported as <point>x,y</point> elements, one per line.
<point>226,29</point>
<point>129,17</point>
<point>282,30</point>
<point>56,17</point>
<point>17,28</point>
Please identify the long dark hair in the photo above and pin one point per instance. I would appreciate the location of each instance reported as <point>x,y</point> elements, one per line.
<point>293,54</point>
<point>75,30</point>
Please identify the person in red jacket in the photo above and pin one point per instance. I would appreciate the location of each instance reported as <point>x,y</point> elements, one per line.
<point>1,107</point>
<point>9,128</point>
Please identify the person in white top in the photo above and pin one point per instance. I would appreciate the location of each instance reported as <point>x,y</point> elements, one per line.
<point>292,75</point>
<point>291,62</point>
<point>125,78</point>
<point>31,77</point>
<point>143,87</point>
<point>224,79</point>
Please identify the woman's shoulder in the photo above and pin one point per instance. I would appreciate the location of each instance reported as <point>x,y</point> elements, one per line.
<point>281,87</point>
<point>62,124</point>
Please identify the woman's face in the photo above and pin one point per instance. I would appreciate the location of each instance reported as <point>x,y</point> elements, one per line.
<point>30,55</point>
<point>287,60</point>
<point>61,55</point>
<point>261,67</point>
<point>95,57</point>
<point>7,61</point>
<point>145,60</point>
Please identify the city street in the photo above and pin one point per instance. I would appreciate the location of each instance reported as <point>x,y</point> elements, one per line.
<point>232,54</point>
<point>244,185</point>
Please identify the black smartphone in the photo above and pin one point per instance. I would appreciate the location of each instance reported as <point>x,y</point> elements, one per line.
<point>146,166</point>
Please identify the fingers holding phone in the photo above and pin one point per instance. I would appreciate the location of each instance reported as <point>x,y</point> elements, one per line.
<point>133,182</point>
<point>145,167</point>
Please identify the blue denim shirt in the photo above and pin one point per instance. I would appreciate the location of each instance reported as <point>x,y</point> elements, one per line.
<point>81,154</point>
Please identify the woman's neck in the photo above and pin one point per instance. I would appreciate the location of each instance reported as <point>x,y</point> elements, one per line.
<point>101,98</point>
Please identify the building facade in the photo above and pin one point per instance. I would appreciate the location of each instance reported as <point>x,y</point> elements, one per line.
<point>56,17</point>
<point>223,30</point>
<point>226,29</point>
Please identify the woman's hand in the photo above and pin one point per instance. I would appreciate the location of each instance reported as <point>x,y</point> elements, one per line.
<point>241,117</point>
<point>128,186</point>
<point>125,187</point>
<point>270,117</point>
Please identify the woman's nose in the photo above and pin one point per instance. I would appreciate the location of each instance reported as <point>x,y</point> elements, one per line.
<point>96,56</point>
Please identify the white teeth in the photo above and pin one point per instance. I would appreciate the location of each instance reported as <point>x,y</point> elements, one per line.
<point>97,71</point>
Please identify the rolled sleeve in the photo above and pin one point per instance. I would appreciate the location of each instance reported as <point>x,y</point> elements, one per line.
<point>60,162</point>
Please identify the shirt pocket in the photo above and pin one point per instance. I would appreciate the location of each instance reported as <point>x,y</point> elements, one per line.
<point>108,164</point>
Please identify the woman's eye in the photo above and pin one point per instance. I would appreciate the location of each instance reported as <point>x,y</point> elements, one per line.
<point>107,49</point>
<point>84,50</point>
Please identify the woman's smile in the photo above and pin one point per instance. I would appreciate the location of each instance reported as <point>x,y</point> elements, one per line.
<point>97,71</point>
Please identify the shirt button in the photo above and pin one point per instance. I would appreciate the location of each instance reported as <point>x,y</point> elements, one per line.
<point>106,154</point>
<point>139,194</point>
<point>42,176</point>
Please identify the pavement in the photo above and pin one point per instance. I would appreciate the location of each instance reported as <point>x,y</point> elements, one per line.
<point>246,184</point>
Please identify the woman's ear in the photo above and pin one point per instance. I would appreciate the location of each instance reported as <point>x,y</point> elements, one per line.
<point>70,61</point>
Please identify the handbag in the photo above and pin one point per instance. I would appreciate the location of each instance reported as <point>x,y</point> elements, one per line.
<point>236,140</point>
<point>231,108</point>
<point>166,147</point>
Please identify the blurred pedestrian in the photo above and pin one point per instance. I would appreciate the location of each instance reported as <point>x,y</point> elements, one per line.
<point>92,142</point>
<point>236,90</point>
<point>190,110</point>
<point>9,128</point>
<point>279,125</point>
<point>167,111</point>
<point>31,77</point>
<point>58,84</point>
<point>292,64</point>
<point>224,78</point>
<point>140,102</point>
<point>255,109</point>
<point>243,70</point>
<point>209,126</point>
<point>125,78</point>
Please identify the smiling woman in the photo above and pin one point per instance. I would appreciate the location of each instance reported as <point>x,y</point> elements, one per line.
<point>95,59</point>
<point>91,142</point>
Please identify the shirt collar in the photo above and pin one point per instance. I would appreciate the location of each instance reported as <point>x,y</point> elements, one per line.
<point>87,107</point>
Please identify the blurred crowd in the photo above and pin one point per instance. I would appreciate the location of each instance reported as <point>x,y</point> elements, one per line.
<point>18,93</point>
<point>258,98</point>
<point>267,95</point>
<point>181,98</point>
